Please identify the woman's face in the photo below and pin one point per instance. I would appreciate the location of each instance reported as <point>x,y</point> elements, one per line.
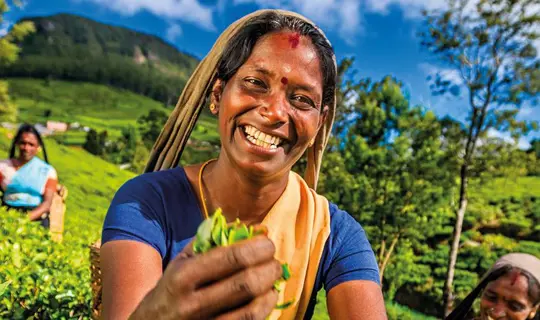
<point>28,146</point>
<point>271,109</point>
<point>507,298</point>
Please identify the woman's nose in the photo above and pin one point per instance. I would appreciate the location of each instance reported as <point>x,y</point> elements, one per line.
<point>497,312</point>
<point>276,110</point>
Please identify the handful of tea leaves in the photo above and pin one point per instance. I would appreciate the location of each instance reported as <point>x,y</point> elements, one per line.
<point>215,232</point>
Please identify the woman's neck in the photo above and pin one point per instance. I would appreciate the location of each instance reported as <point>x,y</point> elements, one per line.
<point>239,194</point>
<point>19,162</point>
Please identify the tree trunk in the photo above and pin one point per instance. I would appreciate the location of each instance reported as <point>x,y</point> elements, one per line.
<point>448,297</point>
<point>381,251</point>
<point>387,257</point>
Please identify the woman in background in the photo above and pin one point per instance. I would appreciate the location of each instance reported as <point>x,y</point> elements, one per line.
<point>510,290</point>
<point>27,182</point>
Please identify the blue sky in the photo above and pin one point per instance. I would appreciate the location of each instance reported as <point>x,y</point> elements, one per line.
<point>380,34</point>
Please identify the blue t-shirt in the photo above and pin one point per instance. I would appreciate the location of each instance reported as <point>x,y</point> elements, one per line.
<point>161,210</point>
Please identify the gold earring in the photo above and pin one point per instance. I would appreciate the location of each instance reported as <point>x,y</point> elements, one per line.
<point>212,107</point>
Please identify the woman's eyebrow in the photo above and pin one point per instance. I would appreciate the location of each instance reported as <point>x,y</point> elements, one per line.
<point>263,70</point>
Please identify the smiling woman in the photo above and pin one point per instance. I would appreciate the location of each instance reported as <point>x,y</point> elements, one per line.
<point>510,290</point>
<point>270,80</point>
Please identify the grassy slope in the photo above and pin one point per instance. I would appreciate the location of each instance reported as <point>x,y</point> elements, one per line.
<point>96,106</point>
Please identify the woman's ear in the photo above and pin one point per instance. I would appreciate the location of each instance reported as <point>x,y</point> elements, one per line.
<point>215,96</point>
<point>322,118</point>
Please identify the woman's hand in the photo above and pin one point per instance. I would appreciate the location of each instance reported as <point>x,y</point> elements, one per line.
<point>233,282</point>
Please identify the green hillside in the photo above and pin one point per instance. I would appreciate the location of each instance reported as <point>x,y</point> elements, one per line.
<point>75,48</point>
<point>96,106</point>
<point>92,105</point>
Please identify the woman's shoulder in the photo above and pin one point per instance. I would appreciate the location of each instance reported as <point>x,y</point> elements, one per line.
<point>150,184</point>
<point>341,221</point>
<point>4,163</point>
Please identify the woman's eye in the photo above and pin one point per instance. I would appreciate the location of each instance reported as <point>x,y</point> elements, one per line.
<point>303,101</point>
<point>516,307</point>
<point>255,82</point>
<point>490,297</point>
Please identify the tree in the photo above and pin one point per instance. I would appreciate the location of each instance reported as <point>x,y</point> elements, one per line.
<point>488,45</point>
<point>9,52</point>
<point>150,126</point>
<point>95,142</point>
<point>535,147</point>
<point>383,166</point>
<point>140,157</point>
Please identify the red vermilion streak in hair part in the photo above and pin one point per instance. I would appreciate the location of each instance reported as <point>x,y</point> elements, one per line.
<point>515,275</point>
<point>294,40</point>
<point>284,80</point>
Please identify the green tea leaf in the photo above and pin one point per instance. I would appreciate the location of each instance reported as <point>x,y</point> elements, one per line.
<point>215,232</point>
<point>223,236</point>
<point>286,271</point>
<point>3,287</point>
<point>219,225</point>
<point>240,233</point>
<point>284,305</point>
<point>16,255</point>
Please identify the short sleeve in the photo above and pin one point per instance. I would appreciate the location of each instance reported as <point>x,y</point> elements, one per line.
<point>52,180</point>
<point>350,254</point>
<point>136,213</point>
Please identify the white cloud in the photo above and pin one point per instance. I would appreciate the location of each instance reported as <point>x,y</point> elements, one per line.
<point>343,16</point>
<point>411,8</point>
<point>4,28</point>
<point>186,10</point>
<point>522,142</point>
<point>173,32</point>
<point>445,73</point>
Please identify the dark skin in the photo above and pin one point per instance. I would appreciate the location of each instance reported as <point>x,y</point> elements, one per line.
<point>29,147</point>
<point>507,298</point>
<point>245,182</point>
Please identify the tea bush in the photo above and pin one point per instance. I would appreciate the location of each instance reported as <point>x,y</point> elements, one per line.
<point>41,279</point>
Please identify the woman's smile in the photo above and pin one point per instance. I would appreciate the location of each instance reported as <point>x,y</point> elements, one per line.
<point>260,142</point>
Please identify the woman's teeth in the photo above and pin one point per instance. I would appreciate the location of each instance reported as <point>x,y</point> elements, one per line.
<point>261,139</point>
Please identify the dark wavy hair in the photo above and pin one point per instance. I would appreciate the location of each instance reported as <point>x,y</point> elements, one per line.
<point>27,128</point>
<point>241,45</point>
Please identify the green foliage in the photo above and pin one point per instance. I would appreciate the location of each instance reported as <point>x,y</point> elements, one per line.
<point>150,126</point>
<point>214,232</point>
<point>9,53</point>
<point>75,48</point>
<point>42,279</point>
<point>95,143</point>
<point>394,311</point>
<point>388,172</point>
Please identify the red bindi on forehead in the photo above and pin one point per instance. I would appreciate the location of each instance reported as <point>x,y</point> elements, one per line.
<point>284,80</point>
<point>294,39</point>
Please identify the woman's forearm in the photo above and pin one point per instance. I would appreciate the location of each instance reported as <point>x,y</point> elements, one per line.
<point>37,212</point>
